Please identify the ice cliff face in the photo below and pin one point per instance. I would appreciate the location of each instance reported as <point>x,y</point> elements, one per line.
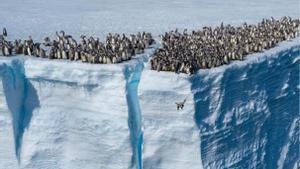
<point>72,118</point>
<point>248,114</point>
<point>62,115</point>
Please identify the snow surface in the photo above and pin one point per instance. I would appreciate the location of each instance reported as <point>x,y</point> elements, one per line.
<point>63,115</point>
<point>41,18</point>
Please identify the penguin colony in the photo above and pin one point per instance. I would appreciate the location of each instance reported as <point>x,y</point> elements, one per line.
<point>180,52</point>
<point>116,49</point>
<point>208,48</point>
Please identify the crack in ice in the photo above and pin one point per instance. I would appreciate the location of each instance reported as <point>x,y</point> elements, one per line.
<point>21,99</point>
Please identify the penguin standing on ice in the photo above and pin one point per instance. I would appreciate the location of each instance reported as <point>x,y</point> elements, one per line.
<point>4,32</point>
<point>6,49</point>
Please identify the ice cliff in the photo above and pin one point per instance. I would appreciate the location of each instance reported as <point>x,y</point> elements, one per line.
<point>63,115</point>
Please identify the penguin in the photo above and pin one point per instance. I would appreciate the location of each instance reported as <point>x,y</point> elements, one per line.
<point>124,56</point>
<point>58,54</point>
<point>24,50</point>
<point>180,105</point>
<point>64,54</point>
<point>4,32</point>
<point>77,55</point>
<point>71,54</point>
<point>104,59</point>
<point>158,67</point>
<point>18,46</point>
<point>47,42</point>
<point>108,60</point>
<point>114,60</point>
<point>83,57</point>
<point>226,61</point>
<point>51,54</point>
<point>36,50</point>
<point>7,50</point>
<point>181,69</point>
<point>1,50</point>
<point>100,59</point>
<point>29,50</point>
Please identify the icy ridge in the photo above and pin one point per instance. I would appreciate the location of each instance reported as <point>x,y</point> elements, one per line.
<point>21,99</point>
<point>132,74</point>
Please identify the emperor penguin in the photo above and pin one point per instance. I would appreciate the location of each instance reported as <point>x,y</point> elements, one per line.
<point>180,105</point>
<point>71,53</point>
<point>77,55</point>
<point>64,54</point>
<point>7,50</point>
<point>51,54</point>
<point>42,53</point>
<point>4,32</point>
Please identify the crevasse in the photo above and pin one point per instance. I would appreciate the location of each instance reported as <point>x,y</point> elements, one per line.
<point>132,74</point>
<point>21,99</point>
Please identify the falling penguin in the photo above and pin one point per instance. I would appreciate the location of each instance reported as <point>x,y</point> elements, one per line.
<point>180,105</point>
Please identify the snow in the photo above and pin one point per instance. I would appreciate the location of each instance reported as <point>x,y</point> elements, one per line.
<point>41,18</point>
<point>68,115</point>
